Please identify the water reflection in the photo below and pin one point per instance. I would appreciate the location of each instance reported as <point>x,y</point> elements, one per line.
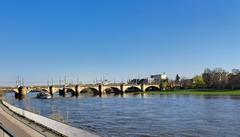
<point>142,114</point>
<point>57,116</point>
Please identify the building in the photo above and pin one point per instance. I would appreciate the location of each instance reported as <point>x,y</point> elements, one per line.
<point>158,78</point>
<point>187,83</point>
<point>138,81</point>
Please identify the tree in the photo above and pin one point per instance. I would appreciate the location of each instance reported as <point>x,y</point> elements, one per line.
<point>235,71</point>
<point>220,78</point>
<point>207,77</point>
<point>198,81</point>
<point>234,79</point>
<point>217,78</point>
<point>177,80</point>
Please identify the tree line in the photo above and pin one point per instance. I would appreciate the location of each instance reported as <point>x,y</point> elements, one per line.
<point>217,78</point>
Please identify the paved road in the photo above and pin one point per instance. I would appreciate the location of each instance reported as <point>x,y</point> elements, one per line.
<point>16,127</point>
<point>21,127</point>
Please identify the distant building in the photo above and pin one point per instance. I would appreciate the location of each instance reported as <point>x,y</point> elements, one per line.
<point>132,81</point>
<point>143,81</point>
<point>158,78</point>
<point>138,81</point>
<point>187,83</point>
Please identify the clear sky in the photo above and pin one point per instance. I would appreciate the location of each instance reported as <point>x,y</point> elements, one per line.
<point>118,39</point>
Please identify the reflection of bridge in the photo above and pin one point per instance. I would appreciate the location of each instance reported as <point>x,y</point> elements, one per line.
<point>95,89</point>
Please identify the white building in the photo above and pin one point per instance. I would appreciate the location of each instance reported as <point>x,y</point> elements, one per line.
<point>158,78</point>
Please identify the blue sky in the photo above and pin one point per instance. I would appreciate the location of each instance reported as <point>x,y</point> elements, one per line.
<point>118,39</point>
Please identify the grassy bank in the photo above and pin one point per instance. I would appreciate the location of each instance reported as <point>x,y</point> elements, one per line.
<point>196,92</point>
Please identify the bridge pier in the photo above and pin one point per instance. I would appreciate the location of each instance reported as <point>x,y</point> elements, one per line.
<point>100,90</point>
<point>22,92</point>
<point>77,90</point>
<point>142,87</point>
<point>122,89</point>
<point>51,90</point>
<point>63,92</point>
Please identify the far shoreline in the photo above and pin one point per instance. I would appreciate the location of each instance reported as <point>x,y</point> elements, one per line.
<point>192,92</point>
<point>2,93</point>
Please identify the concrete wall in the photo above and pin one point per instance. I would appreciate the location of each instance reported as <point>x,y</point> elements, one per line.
<point>4,133</point>
<point>52,124</point>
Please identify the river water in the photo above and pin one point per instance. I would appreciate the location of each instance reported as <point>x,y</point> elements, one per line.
<point>142,115</point>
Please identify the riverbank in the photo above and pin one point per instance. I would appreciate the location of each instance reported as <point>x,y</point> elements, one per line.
<point>26,124</point>
<point>19,126</point>
<point>2,93</point>
<point>195,92</point>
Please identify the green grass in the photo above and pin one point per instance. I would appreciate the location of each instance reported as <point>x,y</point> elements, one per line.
<point>196,92</point>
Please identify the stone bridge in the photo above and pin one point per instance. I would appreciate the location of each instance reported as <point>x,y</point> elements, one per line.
<point>95,89</point>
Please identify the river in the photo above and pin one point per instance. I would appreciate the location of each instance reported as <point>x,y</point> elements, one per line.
<point>142,115</point>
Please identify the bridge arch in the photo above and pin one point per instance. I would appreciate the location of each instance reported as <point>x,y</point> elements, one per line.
<point>45,90</point>
<point>29,89</point>
<point>132,89</point>
<point>71,91</point>
<point>112,90</point>
<point>13,90</point>
<point>49,90</point>
<point>152,88</point>
<point>90,90</point>
<point>33,91</point>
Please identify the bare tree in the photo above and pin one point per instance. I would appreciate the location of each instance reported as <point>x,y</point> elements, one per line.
<point>207,77</point>
<point>217,78</point>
